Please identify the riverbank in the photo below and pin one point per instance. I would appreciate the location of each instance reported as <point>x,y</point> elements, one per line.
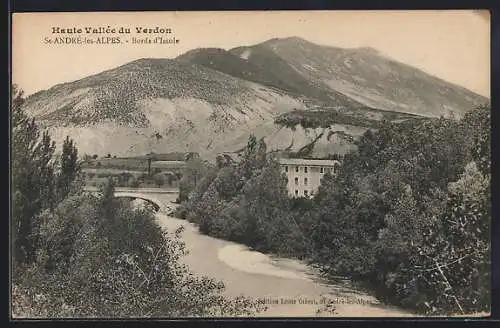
<point>287,287</point>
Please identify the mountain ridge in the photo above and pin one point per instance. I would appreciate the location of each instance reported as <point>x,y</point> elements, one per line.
<point>210,99</point>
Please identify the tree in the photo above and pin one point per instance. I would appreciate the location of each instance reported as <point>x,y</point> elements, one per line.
<point>133,182</point>
<point>265,207</point>
<point>396,215</point>
<point>107,212</point>
<point>70,168</point>
<point>193,172</point>
<point>253,158</point>
<point>159,180</point>
<point>131,270</point>
<point>32,179</point>
<point>478,122</point>
<point>170,178</point>
<point>87,158</point>
<point>453,261</point>
<point>150,158</point>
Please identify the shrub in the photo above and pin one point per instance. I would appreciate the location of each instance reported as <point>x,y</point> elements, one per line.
<point>133,182</point>
<point>159,180</point>
<point>118,263</point>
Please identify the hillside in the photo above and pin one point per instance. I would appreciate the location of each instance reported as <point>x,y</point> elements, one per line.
<point>363,75</point>
<point>263,66</point>
<point>156,105</point>
<point>119,95</point>
<point>209,100</point>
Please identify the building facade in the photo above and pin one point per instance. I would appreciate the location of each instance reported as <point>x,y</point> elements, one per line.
<point>304,175</point>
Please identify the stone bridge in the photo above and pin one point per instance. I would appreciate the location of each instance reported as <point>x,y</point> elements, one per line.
<point>150,195</point>
<point>157,204</point>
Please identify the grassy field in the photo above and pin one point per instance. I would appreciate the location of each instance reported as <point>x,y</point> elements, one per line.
<point>166,170</point>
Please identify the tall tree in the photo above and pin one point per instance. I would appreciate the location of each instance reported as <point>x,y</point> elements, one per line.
<point>32,171</point>
<point>70,167</point>
<point>193,172</point>
<point>247,164</point>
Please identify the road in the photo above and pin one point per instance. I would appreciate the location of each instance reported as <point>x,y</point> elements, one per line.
<point>297,289</point>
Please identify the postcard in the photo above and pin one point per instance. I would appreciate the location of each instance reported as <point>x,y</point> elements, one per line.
<point>250,164</point>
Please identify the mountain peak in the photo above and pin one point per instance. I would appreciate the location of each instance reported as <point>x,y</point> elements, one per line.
<point>367,50</point>
<point>287,40</point>
<point>199,51</point>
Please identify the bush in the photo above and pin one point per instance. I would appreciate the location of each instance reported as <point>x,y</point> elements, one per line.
<point>246,202</point>
<point>117,265</point>
<point>134,183</point>
<point>159,180</point>
<point>80,255</point>
<point>409,214</point>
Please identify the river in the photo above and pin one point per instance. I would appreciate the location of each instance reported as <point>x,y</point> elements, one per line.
<point>288,287</point>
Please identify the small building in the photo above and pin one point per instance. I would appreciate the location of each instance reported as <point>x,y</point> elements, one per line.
<point>304,175</point>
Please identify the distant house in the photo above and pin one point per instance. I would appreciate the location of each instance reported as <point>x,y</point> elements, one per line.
<point>304,175</point>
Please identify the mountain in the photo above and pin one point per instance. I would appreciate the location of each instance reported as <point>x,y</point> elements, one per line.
<point>263,66</point>
<point>156,105</point>
<point>363,75</point>
<point>209,100</point>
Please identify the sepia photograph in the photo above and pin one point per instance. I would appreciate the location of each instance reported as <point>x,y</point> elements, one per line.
<point>250,164</point>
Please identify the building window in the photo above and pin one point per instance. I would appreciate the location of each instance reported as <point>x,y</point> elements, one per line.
<point>296,192</point>
<point>296,169</point>
<point>296,181</point>
<point>286,168</point>
<point>305,192</point>
<point>305,181</point>
<point>305,169</point>
<point>321,170</point>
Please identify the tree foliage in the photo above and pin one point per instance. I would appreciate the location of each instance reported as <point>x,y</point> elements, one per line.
<point>246,201</point>
<point>83,255</point>
<point>408,212</point>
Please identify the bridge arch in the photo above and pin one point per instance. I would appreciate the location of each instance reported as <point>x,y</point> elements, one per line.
<point>151,200</point>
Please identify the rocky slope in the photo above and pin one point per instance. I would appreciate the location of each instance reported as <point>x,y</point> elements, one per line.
<point>365,76</point>
<point>210,100</point>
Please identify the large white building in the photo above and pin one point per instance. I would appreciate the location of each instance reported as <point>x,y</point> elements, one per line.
<point>304,175</point>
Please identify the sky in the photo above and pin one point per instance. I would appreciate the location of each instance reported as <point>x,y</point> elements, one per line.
<point>453,45</point>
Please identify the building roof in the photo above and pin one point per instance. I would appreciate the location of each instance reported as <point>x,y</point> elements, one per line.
<point>309,162</point>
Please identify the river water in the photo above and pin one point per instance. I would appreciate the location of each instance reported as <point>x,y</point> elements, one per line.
<point>287,287</point>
